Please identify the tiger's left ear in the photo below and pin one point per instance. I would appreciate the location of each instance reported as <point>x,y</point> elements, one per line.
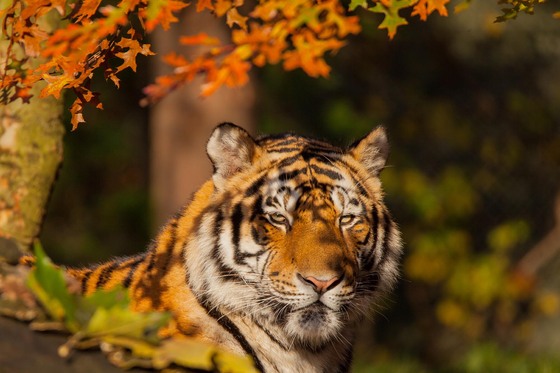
<point>231,150</point>
<point>372,150</point>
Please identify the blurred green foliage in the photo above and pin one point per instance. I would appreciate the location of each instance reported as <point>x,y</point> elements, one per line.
<point>131,338</point>
<point>471,108</point>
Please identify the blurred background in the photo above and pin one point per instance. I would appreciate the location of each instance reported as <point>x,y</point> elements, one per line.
<point>472,109</point>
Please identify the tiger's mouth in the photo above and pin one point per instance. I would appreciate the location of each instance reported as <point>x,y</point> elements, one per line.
<point>314,315</point>
<point>314,325</point>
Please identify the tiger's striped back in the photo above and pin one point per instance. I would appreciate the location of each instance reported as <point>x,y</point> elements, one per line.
<point>279,255</point>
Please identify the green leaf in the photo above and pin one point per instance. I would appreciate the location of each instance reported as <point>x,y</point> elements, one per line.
<point>154,7</point>
<point>199,355</point>
<point>49,286</point>
<point>117,297</point>
<point>122,321</point>
<point>517,6</point>
<point>392,19</point>
<point>356,3</point>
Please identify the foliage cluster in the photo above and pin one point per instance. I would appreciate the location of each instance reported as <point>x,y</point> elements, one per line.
<point>105,319</point>
<point>66,42</point>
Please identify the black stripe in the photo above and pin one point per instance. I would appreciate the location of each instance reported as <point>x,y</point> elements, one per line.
<point>228,325</point>
<point>291,174</point>
<point>385,235</point>
<point>257,208</point>
<point>283,150</point>
<point>225,271</point>
<point>368,262</point>
<point>287,161</point>
<point>322,151</point>
<point>329,173</point>
<point>152,261</point>
<point>85,280</point>
<point>105,274</point>
<point>218,223</point>
<point>236,219</point>
<point>258,238</point>
<point>361,189</point>
<point>254,188</point>
<point>272,338</point>
<point>288,141</point>
<point>133,266</point>
<point>270,201</point>
<point>366,239</point>
<point>169,247</point>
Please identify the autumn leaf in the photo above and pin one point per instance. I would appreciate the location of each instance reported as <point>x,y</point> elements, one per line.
<point>204,4</point>
<point>221,7</point>
<point>234,18</point>
<point>392,19</point>
<point>199,39</point>
<point>23,93</point>
<point>76,110</point>
<point>356,3</point>
<point>162,12</point>
<point>131,49</point>
<point>85,9</point>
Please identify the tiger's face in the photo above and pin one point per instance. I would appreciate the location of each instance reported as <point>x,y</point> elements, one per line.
<point>300,239</point>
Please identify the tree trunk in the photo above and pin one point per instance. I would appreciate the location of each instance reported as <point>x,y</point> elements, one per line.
<point>30,154</point>
<point>182,122</point>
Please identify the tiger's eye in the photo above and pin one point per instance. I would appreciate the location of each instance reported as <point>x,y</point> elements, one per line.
<point>277,218</point>
<point>347,219</point>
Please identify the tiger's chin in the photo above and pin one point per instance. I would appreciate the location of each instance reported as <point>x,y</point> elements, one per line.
<point>313,326</point>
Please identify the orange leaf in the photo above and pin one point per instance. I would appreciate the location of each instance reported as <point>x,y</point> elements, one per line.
<point>56,83</point>
<point>23,93</point>
<point>222,6</point>
<point>200,39</point>
<point>421,10</point>
<point>110,74</point>
<point>424,8</point>
<point>77,113</point>
<point>175,60</point>
<point>234,18</point>
<point>162,12</point>
<point>129,56</point>
<point>438,5</point>
<point>204,4</point>
<point>85,9</point>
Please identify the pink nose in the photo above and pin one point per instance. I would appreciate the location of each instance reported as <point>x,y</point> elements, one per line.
<point>320,286</point>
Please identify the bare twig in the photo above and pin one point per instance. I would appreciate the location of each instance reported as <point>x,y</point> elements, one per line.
<point>546,249</point>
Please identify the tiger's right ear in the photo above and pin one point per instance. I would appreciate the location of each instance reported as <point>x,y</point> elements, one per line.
<point>231,150</point>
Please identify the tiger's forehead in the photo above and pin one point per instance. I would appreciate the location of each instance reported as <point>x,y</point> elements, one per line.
<point>308,169</point>
<point>289,142</point>
<point>298,164</point>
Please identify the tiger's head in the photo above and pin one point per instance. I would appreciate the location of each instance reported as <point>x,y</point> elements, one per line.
<point>295,234</point>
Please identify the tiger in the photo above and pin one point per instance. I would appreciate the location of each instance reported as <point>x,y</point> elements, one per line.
<point>279,255</point>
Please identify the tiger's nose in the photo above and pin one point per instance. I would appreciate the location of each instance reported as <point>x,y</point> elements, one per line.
<point>319,285</point>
